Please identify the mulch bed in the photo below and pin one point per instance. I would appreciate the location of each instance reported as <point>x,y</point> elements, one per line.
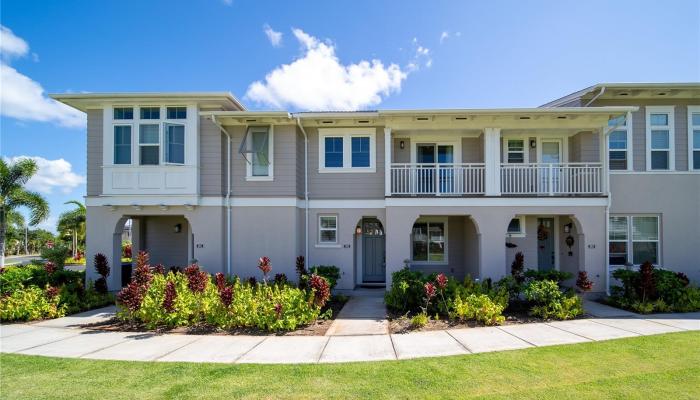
<point>317,328</point>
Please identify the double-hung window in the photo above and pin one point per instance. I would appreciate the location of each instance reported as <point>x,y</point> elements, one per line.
<point>429,241</point>
<point>149,144</point>
<point>328,229</point>
<point>633,239</point>
<point>660,138</point>
<point>174,143</point>
<point>515,151</point>
<point>347,150</point>
<point>122,144</point>
<point>693,138</point>
<point>618,143</point>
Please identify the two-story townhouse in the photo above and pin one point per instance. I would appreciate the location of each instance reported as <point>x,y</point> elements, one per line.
<point>454,191</point>
<point>654,158</point>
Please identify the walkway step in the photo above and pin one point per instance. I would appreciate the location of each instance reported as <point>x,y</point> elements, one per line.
<point>361,316</point>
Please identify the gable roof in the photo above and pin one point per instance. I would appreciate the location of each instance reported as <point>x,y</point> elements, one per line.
<point>628,90</point>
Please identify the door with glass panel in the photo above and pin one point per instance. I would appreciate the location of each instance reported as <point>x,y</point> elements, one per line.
<point>435,170</point>
<point>550,175</point>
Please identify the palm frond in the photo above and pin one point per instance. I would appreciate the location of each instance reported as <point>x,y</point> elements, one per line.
<point>37,204</point>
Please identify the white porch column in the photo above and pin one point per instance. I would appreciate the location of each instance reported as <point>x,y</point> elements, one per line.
<point>604,160</point>
<point>492,161</point>
<point>387,161</point>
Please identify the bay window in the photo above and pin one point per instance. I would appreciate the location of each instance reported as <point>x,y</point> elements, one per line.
<point>177,112</point>
<point>122,144</point>
<point>123,113</point>
<point>429,241</point>
<point>660,138</point>
<point>149,144</point>
<point>174,143</point>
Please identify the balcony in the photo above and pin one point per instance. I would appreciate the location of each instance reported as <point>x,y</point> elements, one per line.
<point>533,179</point>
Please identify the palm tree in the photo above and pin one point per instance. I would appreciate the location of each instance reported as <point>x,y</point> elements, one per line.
<point>73,221</point>
<point>13,195</point>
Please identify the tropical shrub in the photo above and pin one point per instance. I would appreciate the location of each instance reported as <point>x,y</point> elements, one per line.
<point>582,282</point>
<point>548,275</point>
<point>57,254</point>
<point>330,272</point>
<point>517,269</point>
<point>480,308</point>
<point>102,269</point>
<point>419,320</point>
<point>548,301</point>
<point>26,304</point>
<point>654,289</point>
<point>406,292</point>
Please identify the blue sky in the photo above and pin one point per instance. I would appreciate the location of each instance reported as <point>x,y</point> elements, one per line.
<point>429,55</point>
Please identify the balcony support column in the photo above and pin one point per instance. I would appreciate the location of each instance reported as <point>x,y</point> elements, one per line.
<point>387,161</point>
<point>604,160</point>
<point>492,161</point>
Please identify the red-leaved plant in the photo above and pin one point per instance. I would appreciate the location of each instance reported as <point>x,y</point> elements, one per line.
<point>170,296</point>
<point>51,292</point>
<point>226,295</point>
<point>647,285</point>
<point>159,269</point>
<point>301,267</point>
<point>131,297</point>
<point>322,292</point>
<point>49,267</point>
<point>196,280</point>
<point>265,265</point>
<point>102,268</point>
<point>220,280</point>
<point>430,291</point>
<point>582,282</point>
<point>441,280</point>
<point>278,310</point>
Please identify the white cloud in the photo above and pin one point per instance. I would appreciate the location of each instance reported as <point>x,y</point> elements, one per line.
<point>318,81</point>
<point>23,98</point>
<point>273,36</point>
<point>11,45</point>
<point>421,56</point>
<point>227,2</point>
<point>52,174</point>
<point>444,36</point>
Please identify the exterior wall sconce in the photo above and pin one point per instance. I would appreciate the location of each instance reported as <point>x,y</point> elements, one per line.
<point>533,143</point>
<point>358,230</point>
<point>136,207</point>
<point>567,227</point>
<point>402,144</point>
<point>177,228</point>
<point>163,207</point>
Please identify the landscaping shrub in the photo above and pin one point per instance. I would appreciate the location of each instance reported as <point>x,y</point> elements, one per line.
<point>549,275</point>
<point>549,302</point>
<point>653,289</point>
<point>27,304</point>
<point>330,272</point>
<point>57,254</point>
<point>582,282</point>
<point>517,269</point>
<point>480,308</point>
<point>193,297</point>
<point>406,292</point>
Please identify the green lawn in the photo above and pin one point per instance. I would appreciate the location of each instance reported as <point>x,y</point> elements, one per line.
<point>663,367</point>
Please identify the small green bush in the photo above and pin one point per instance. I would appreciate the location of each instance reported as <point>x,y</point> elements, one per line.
<point>480,308</point>
<point>56,254</point>
<point>548,302</point>
<point>549,275</point>
<point>653,289</point>
<point>419,320</point>
<point>31,303</point>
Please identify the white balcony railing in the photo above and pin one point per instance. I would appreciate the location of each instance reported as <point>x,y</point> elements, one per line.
<point>552,179</point>
<point>437,179</point>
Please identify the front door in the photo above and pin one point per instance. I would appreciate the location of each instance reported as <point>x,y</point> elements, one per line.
<point>551,154</point>
<point>545,243</point>
<point>373,255</point>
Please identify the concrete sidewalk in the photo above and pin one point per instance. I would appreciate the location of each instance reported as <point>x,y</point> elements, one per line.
<point>62,338</point>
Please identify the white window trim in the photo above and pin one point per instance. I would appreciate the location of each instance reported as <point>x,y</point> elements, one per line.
<point>563,142</point>
<point>328,244</point>
<point>526,149</point>
<point>134,110</point>
<point>164,112</point>
<point>523,229</point>
<point>347,134</point>
<point>428,220</point>
<point>628,130</point>
<point>630,238</point>
<point>163,143</point>
<point>271,158</point>
<point>671,136</point>
<point>692,110</point>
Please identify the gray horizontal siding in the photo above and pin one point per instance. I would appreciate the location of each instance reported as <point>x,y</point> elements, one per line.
<point>95,136</point>
<point>345,185</point>
<point>212,148</point>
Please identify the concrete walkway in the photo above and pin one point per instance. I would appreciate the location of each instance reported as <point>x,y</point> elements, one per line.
<point>362,315</point>
<point>62,338</point>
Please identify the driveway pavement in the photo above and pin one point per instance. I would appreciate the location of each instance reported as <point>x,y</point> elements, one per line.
<point>63,337</point>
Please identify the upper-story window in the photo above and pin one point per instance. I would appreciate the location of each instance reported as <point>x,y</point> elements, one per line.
<point>149,144</point>
<point>347,150</point>
<point>619,143</point>
<point>515,151</point>
<point>660,138</point>
<point>694,138</point>
<point>257,148</point>
<point>122,144</point>
<point>155,141</point>
<point>123,113</point>
<point>177,112</point>
<point>150,112</point>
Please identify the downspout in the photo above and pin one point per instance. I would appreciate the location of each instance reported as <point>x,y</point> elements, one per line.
<point>602,90</point>
<point>306,191</point>
<point>228,193</point>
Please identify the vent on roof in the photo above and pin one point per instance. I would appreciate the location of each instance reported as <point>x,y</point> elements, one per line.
<point>364,121</point>
<point>562,117</point>
<point>623,94</point>
<point>326,122</point>
<point>661,94</point>
<point>524,117</point>
<point>422,118</point>
<point>251,120</point>
<point>460,118</point>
